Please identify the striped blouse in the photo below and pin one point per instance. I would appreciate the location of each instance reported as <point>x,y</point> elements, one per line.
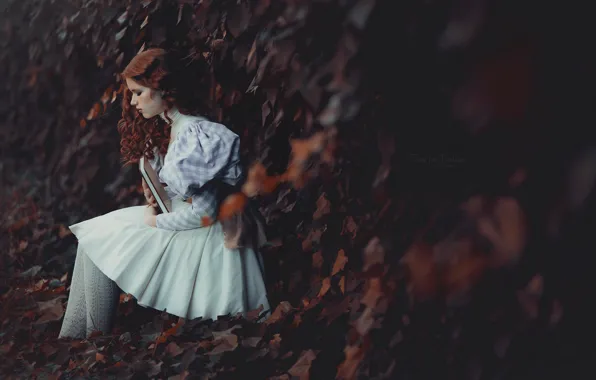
<point>200,151</point>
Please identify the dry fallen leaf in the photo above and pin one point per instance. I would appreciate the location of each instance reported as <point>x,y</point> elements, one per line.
<point>325,286</point>
<point>354,355</point>
<point>233,204</point>
<point>374,253</point>
<point>280,311</point>
<point>224,341</point>
<point>173,350</point>
<point>301,368</point>
<point>323,207</point>
<point>506,230</point>
<point>51,310</point>
<point>365,322</point>
<point>374,291</point>
<point>422,271</point>
<point>258,182</point>
<point>340,262</point>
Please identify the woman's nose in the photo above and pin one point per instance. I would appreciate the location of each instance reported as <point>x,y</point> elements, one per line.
<point>133,101</point>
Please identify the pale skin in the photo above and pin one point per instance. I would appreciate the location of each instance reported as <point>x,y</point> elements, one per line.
<point>149,103</point>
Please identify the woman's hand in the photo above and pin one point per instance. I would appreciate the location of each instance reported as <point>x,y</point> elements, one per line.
<point>151,216</point>
<point>148,195</point>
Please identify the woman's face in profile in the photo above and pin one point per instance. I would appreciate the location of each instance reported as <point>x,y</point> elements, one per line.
<point>147,101</point>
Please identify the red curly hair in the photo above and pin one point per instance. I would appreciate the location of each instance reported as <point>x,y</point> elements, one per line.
<point>184,86</point>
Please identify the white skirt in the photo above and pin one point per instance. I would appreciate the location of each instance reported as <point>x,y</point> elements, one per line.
<point>186,273</point>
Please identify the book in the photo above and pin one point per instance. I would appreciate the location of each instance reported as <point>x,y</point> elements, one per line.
<point>157,189</point>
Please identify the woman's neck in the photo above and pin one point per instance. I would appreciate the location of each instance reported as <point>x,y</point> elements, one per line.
<point>173,114</point>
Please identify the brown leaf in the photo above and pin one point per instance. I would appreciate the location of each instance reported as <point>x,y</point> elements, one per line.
<point>354,355</point>
<point>506,230</point>
<point>51,310</point>
<point>48,349</point>
<point>94,111</point>
<point>275,343</point>
<point>374,291</point>
<point>340,262</point>
<point>252,315</point>
<point>173,350</point>
<point>169,332</point>
<point>301,368</point>
<point>334,310</point>
<point>314,237</point>
<point>280,311</point>
<point>365,322</point>
<point>100,357</point>
<point>317,260</point>
<point>325,286</point>
<point>251,61</point>
<point>64,231</point>
<point>224,341</point>
<point>252,341</point>
<point>423,275</point>
<point>233,204</point>
<point>258,182</point>
<point>302,151</point>
<point>374,253</point>
<point>462,275</point>
<point>323,207</point>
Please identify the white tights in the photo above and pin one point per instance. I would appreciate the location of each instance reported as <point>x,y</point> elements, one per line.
<point>93,300</point>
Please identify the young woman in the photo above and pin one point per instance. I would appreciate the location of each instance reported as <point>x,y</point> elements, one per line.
<point>173,261</point>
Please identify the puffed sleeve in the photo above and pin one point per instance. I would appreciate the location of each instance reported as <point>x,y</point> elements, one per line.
<point>202,152</point>
<point>157,161</point>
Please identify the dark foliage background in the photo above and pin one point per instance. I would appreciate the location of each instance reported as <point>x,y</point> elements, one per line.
<point>435,208</point>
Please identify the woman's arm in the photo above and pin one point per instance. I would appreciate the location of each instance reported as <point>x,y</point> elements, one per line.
<point>202,152</point>
<point>202,212</point>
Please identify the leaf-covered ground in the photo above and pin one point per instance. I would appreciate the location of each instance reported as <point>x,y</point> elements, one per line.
<point>426,170</point>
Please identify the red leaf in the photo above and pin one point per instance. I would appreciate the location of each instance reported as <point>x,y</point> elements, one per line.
<point>233,204</point>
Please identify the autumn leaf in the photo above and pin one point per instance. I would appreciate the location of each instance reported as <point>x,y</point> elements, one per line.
<point>280,311</point>
<point>173,349</point>
<point>206,221</point>
<point>461,276</point>
<point>51,310</point>
<point>349,227</point>
<point>506,230</point>
<point>422,270</point>
<point>258,182</point>
<point>325,286</point>
<point>365,322</point>
<point>224,341</point>
<point>323,207</point>
<point>353,357</point>
<point>374,291</point>
<point>301,368</point>
<point>374,253</point>
<point>169,332</point>
<point>340,262</point>
<point>100,357</point>
<point>233,204</point>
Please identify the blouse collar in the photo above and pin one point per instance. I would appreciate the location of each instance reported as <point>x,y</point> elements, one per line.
<point>174,115</point>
